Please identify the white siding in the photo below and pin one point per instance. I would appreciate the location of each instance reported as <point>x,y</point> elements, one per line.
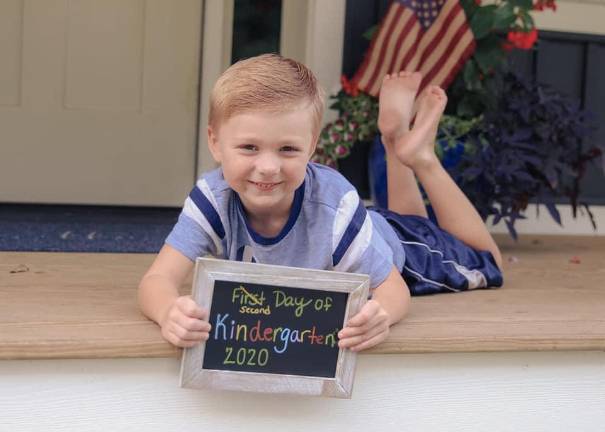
<point>550,391</point>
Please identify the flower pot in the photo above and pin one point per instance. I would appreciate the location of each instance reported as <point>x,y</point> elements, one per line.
<point>377,167</point>
<point>355,167</point>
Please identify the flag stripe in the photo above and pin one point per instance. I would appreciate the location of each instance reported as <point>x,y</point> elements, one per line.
<point>402,35</point>
<point>443,50</point>
<point>466,54</point>
<point>374,53</point>
<point>379,68</point>
<point>409,45</point>
<point>407,22</point>
<point>408,61</point>
<point>438,75</point>
<point>441,30</point>
<point>432,33</point>
<point>402,43</point>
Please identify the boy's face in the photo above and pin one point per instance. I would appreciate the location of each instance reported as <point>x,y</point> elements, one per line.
<point>264,156</point>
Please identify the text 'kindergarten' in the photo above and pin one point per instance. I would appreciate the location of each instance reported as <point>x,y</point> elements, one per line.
<point>229,330</point>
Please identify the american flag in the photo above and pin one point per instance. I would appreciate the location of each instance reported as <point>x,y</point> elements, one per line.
<point>430,36</point>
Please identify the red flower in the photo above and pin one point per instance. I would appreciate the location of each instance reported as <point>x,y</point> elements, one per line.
<point>507,46</point>
<point>540,5</point>
<point>523,40</point>
<point>349,87</point>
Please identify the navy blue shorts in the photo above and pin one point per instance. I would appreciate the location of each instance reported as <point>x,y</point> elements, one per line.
<point>436,261</point>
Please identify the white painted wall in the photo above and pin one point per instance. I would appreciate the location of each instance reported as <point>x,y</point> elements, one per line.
<point>550,391</point>
<point>542,223</point>
<point>577,16</point>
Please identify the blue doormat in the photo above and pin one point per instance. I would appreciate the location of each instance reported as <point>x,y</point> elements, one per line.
<point>52,228</point>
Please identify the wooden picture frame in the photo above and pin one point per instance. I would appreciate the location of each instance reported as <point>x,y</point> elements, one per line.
<point>209,271</point>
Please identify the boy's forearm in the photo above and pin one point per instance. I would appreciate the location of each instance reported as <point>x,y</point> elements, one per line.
<point>394,296</point>
<point>156,294</point>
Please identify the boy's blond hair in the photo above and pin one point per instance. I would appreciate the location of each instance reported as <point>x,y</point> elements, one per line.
<point>268,82</point>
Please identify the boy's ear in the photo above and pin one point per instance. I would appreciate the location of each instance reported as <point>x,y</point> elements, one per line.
<point>313,146</point>
<point>213,145</point>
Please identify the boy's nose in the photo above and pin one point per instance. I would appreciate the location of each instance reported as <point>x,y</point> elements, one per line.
<point>268,164</point>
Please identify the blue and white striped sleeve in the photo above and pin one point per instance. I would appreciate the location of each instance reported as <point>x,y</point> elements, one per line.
<point>199,230</point>
<point>357,247</point>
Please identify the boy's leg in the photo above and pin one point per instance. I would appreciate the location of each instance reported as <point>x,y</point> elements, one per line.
<point>396,102</point>
<point>416,149</point>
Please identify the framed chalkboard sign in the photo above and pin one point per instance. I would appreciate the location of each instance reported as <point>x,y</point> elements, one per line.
<point>274,329</point>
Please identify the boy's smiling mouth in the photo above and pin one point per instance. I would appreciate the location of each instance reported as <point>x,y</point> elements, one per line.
<point>265,186</point>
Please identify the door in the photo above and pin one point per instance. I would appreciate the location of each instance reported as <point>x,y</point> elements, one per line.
<point>98,100</point>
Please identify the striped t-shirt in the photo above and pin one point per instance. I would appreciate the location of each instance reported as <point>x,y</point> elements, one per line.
<point>329,228</point>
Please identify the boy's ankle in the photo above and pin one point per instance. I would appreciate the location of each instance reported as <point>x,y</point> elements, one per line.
<point>425,164</point>
<point>389,143</point>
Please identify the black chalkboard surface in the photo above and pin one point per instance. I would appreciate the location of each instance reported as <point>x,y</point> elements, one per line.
<point>274,329</point>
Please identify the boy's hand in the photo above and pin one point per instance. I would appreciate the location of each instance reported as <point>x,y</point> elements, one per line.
<point>367,328</point>
<point>185,324</point>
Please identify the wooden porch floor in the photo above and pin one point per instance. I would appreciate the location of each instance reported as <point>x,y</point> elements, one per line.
<point>73,305</point>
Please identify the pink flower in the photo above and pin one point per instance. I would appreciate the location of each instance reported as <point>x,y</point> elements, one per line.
<point>341,150</point>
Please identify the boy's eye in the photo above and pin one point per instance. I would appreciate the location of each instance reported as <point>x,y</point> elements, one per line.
<point>248,147</point>
<point>289,149</point>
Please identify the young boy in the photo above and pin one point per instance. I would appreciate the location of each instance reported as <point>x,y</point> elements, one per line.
<point>267,203</point>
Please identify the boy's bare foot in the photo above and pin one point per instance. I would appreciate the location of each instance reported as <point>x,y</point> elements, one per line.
<point>418,146</point>
<point>396,101</point>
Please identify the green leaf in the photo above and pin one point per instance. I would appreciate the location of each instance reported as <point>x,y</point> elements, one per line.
<point>471,75</point>
<point>439,151</point>
<point>528,21</point>
<point>504,17</point>
<point>369,33</point>
<point>467,107</point>
<point>469,7</point>
<point>523,4</point>
<point>488,54</point>
<point>483,21</point>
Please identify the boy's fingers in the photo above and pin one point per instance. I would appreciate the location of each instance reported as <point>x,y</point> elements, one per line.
<point>367,322</point>
<point>365,314</point>
<point>348,332</point>
<point>193,324</point>
<point>182,334</point>
<point>175,340</point>
<point>190,308</point>
<point>352,341</point>
<point>370,342</point>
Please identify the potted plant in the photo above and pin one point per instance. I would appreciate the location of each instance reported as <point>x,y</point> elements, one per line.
<point>506,142</point>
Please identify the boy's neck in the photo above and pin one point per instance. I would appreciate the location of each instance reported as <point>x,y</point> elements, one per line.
<point>270,222</point>
<point>268,227</point>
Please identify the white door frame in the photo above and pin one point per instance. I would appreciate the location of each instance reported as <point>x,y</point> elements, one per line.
<point>315,40</point>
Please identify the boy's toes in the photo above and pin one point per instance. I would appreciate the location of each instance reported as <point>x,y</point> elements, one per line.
<point>437,91</point>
